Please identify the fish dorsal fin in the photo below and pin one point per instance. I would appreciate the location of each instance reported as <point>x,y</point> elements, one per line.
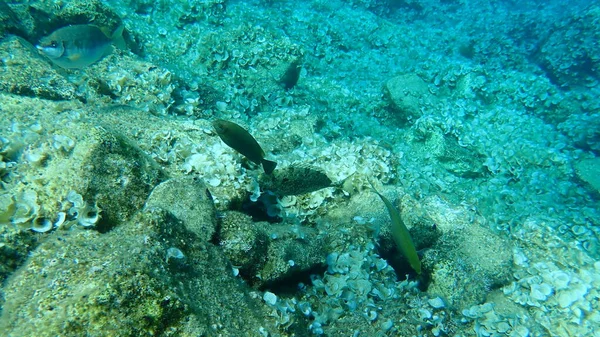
<point>117,38</point>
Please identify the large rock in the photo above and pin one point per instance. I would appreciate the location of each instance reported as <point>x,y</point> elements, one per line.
<point>56,153</point>
<point>24,72</point>
<point>269,254</point>
<point>407,95</point>
<point>47,16</point>
<point>566,53</point>
<point>469,260</point>
<point>588,172</point>
<point>50,156</point>
<point>128,282</point>
<point>460,161</point>
<point>120,175</point>
<point>189,200</point>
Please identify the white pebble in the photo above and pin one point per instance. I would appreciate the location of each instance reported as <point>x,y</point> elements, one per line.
<point>270,298</point>
<point>560,279</point>
<point>214,182</point>
<point>424,314</point>
<point>436,303</point>
<point>540,292</point>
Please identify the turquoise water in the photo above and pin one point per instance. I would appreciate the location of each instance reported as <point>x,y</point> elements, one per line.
<point>122,213</point>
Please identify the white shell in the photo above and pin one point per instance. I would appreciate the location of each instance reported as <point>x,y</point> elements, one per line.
<point>41,225</point>
<point>85,219</point>
<point>436,303</point>
<point>270,298</point>
<point>75,198</point>
<point>174,253</point>
<point>60,220</point>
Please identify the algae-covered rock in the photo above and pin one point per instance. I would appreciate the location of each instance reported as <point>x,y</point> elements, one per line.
<point>461,161</point>
<point>189,200</point>
<point>89,283</point>
<point>14,249</point>
<point>267,253</point>
<point>468,260</point>
<point>566,53</point>
<point>32,20</point>
<point>24,72</point>
<point>48,16</point>
<point>407,95</point>
<point>10,22</point>
<point>120,175</point>
<point>588,171</point>
<point>107,169</point>
<point>120,283</point>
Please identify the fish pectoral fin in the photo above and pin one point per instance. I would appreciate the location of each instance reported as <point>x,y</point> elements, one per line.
<point>74,57</point>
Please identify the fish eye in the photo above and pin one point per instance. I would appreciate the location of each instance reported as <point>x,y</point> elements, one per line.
<point>54,44</point>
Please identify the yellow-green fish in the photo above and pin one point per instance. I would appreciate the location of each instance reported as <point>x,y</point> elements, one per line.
<point>78,46</point>
<point>242,141</point>
<point>401,235</point>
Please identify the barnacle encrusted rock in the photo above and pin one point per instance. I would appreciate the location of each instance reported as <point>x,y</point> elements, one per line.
<point>126,80</point>
<point>57,151</point>
<point>588,171</point>
<point>189,200</point>
<point>24,72</point>
<point>116,174</point>
<point>460,161</point>
<point>47,16</point>
<point>244,242</point>
<point>566,54</point>
<point>267,253</point>
<point>469,260</point>
<point>407,95</point>
<point>295,250</point>
<point>119,283</point>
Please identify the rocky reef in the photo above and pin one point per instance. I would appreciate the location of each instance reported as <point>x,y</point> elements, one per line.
<point>122,213</point>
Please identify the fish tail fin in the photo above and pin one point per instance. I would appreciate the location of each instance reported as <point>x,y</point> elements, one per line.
<point>268,166</point>
<point>118,39</point>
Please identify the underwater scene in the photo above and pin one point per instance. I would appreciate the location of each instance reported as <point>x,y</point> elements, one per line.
<point>299,168</point>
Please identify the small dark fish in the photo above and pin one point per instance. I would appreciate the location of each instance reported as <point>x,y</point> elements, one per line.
<point>292,74</point>
<point>240,140</point>
<point>78,46</point>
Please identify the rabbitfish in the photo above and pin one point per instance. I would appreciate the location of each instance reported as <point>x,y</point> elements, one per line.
<point>78,46</point>
<point>240,140</point>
